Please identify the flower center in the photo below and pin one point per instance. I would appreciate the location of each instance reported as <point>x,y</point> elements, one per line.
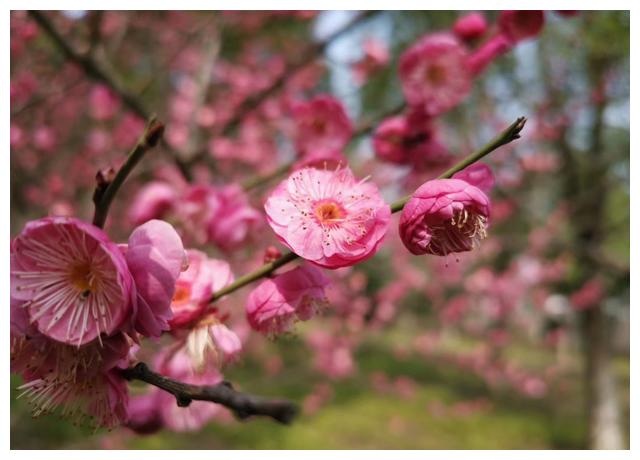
<point>181,295</point>
<point>328,212</point>
<point>83,278</point>
<point>435,75</point>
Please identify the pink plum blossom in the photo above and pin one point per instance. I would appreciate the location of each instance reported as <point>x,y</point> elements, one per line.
<point>434,73</point>
<point>470,26</point>
<point>321,124</point>
<point>488,52</point>
<point>195,286</point>
<point>376,56</point>
<point>152,202</point>
<point>155,257</point>
<point>444,216</point>
<point>409,140</point>
<point>328,217</point>
<point>519,25</point>
<point>233,219</point>
<point>73,281</point>
<point>277,302</point>
<point>83,381</point>
<point>103,102</point>
<point>478,174</point>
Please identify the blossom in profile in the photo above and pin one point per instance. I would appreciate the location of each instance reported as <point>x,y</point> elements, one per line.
<point>155,257</point>
<point>153,201</point>
<point>195,286</point>
<point>232,218</point>
<point>434,73</point>
<point>73,282</point>
<point>444,216</point>
<point>84,383</point>
<point>518,25</point>
<point>321,124</point>
<point>470,26</point>
<point>410,139</point>
<point>478,174</point>
<point>276,303</point>
<point>328,217</point>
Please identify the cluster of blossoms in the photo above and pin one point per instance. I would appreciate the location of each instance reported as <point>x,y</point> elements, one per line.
<point>202,213</point>
<point>80,303</point>
<point>437,74</point>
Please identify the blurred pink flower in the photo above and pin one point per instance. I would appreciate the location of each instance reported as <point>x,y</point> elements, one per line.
<point>589,294</point>
<point>479,175</point>
<point>328,217</point>
<point>434,73</point>
<point>470,26</point>
<point>276,303</point>
<point>198,413</point>
<point>103,102</point>
<point>444,216</point>
<point>333,355</point>
<point>488,52</point>
<point>321,124</point>
<point>152,202</point>
<point>232,219</point>
<point>82,381</point>
<point>73,281</point>
<point>409,140</point>
<point>519,25</point>
<point>376,56</point>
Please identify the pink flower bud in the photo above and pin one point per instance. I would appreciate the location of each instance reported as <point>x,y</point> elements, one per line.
<point>470,26</point>
<point>519,25</point>
<point>444,216</point>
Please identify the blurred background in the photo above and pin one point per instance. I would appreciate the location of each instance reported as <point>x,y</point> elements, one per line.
<point>523,343</point>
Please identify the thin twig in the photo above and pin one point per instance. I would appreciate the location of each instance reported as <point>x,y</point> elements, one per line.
<point>243,405</point>
<point>149,139</point>
<point>96,72</point>
<point>511,133</point>
<point>306,57</point>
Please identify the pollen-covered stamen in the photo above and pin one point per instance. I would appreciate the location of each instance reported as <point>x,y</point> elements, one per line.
<point>463,232</point>
<point>329,212</point>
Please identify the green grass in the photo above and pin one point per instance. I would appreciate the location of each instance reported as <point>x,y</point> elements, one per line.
<point>359,417</point>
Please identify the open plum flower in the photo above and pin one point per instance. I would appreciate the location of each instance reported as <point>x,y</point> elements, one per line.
<point>321,124</point>
<point>446,216</point>
<point>73,282</point>
<point>75,285</point>
<point>328,217</point>
<point>434,73</point>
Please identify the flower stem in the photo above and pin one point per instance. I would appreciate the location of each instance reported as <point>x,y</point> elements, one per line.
<point>149,139</point>
<point>511,133</point>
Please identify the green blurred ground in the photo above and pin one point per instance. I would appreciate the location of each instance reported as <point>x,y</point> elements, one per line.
<point>358,417</point>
